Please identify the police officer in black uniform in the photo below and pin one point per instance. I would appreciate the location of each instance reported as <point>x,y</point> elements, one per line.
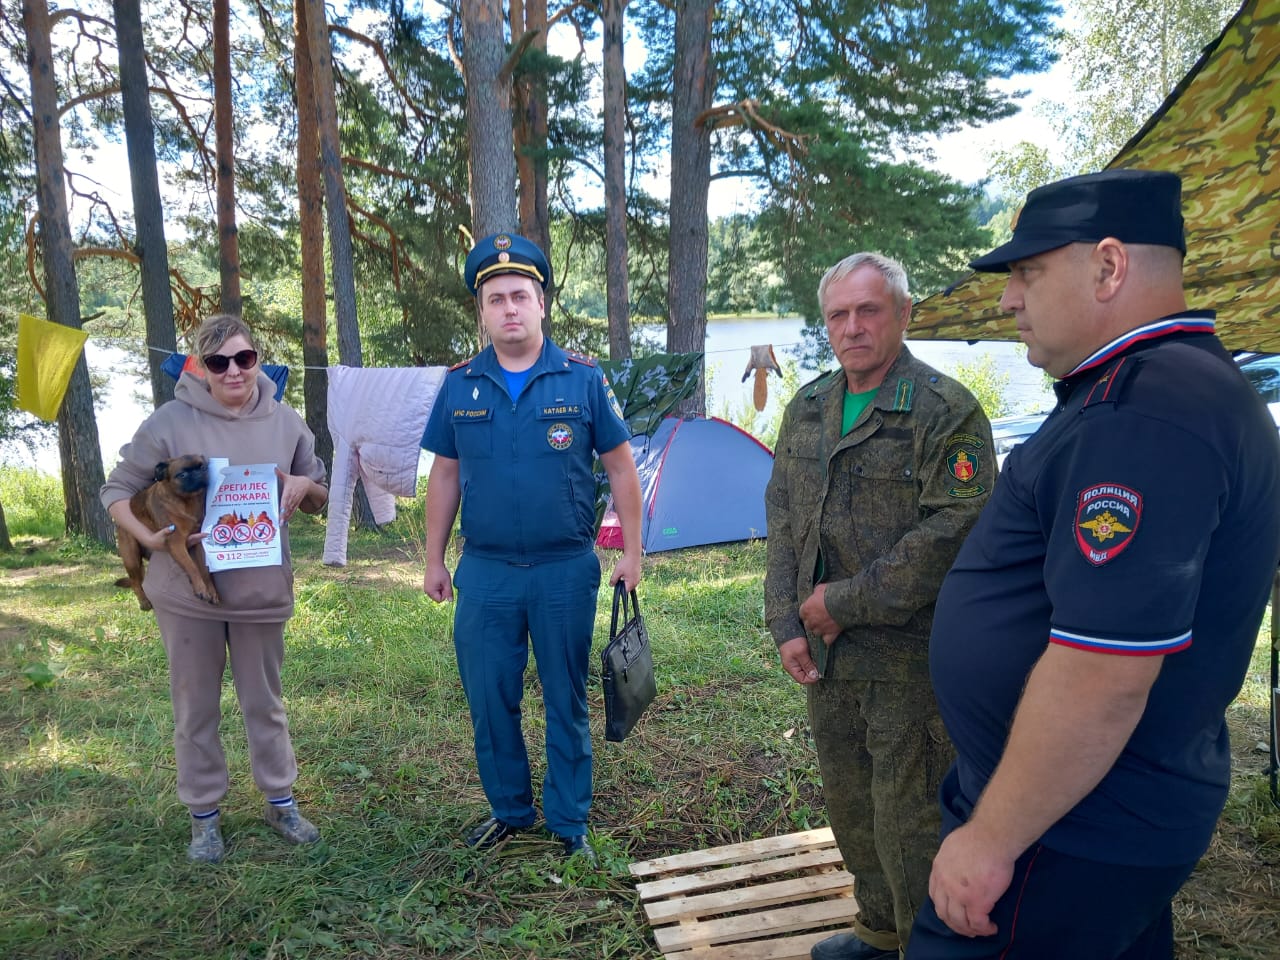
<point>1101,615</point>
<point>514,431</point>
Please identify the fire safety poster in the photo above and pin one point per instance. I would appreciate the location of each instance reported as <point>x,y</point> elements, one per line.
<point>242,516</point>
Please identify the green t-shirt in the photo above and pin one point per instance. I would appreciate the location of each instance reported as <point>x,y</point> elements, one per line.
<point>854,404</point>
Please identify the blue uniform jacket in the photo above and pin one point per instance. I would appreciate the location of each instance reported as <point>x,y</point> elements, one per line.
<point>525,467</point>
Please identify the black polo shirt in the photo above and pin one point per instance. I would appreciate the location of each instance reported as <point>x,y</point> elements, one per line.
<point>1143,518</point>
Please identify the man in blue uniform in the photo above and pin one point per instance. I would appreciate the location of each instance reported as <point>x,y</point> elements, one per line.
<point>1101,616</point>
<point>514,431</point>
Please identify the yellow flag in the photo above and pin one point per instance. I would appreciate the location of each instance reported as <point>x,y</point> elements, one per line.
<point>47,353</point>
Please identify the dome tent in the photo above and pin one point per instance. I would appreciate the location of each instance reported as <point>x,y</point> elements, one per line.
<point>702,481</point>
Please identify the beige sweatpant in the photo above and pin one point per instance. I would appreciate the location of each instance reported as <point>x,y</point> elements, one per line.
<point>197,651</point>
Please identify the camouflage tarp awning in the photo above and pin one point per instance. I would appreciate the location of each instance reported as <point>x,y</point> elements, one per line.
<point>1220,131</point>
<point>649,388</point>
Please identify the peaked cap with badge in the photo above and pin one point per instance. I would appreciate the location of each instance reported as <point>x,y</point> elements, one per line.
<point>502,253</point>
<point>1134,206</point>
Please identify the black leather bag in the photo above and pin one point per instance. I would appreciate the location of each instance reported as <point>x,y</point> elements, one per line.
<point>626,667</point>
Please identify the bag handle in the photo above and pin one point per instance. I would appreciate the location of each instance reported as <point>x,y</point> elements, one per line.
<point>629,611</point>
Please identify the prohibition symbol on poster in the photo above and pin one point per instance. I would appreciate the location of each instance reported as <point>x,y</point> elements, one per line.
<point>242,516</point>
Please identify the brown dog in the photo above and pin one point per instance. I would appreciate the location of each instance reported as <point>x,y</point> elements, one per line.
<point>175,499</point>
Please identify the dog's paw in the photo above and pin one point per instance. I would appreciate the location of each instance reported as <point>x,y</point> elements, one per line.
<point>144,603</point>
<point>209,596</point>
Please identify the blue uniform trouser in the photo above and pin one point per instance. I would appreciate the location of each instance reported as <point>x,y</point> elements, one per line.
<point>501,609</point>
<point>1060,907</point>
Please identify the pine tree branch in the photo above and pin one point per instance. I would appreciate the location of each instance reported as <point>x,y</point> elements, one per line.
<point>353,35</point>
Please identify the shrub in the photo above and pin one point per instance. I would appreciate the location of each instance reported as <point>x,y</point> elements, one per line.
<point>986,383</point>
<point>32,502</point>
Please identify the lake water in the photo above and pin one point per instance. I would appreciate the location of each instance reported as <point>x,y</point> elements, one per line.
<point>125,401</point>
<point>729,343</point>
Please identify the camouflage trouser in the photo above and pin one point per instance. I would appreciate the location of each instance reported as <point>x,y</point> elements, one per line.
<point>882,750</point>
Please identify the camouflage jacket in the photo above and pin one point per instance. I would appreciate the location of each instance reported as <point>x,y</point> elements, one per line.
<point>878,514</point>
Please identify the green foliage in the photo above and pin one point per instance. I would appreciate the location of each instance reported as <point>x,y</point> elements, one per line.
<point>32,502</point>
<point>743,277</point>
<point>1122,69</point>
<point>986,383</point>
<point>404,134</point>
<point>38,666</point>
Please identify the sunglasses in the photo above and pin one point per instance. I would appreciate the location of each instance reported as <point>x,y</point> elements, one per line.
<point>220,362</point>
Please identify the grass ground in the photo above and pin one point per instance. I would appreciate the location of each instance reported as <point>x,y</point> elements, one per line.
<point>92,837</point>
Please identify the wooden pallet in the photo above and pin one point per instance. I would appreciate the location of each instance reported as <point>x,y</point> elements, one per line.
<point>769,899</point>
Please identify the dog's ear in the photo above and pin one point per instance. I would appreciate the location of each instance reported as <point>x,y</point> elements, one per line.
<point>162,471</point>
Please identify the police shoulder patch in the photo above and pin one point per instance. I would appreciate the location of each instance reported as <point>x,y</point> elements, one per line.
<point>1107,517</point>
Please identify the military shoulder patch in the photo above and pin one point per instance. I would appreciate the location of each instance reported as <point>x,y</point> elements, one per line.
<point>1107,516</point>
<point>460,364</point>
<point>965,457</point>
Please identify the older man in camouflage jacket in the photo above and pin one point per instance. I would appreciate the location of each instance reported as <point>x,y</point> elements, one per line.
<point>881,469</point>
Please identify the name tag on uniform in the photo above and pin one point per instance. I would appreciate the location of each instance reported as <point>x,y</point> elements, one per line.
<point>549,411</point>
<point>471,415</point>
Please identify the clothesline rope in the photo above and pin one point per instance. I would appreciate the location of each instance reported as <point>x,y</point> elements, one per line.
<point>167,352</point>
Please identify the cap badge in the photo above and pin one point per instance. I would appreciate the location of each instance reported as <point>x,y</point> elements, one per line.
<point>502,242</point>
<point>504,257</point>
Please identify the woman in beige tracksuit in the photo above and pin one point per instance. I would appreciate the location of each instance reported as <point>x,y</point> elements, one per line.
<point>231,413</point>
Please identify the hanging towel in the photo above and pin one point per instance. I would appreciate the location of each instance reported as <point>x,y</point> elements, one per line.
<point>376,418</point>
<point>47,353</point>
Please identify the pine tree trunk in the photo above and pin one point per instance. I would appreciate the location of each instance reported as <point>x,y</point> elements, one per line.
<point>491,155</point>
<point>5,543</point>
<point>148,213</point>
<point>335,192</point>
<point>78,446</point>
<point>228,238</point>
<point>530,112</point>
<point>617,291</point>
<point>315,327</point>
<point>341,257</point>
<point>694,84</point>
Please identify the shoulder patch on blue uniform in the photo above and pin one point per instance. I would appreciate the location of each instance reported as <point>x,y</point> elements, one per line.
<point>613,400</point>
<point>1107,516</point>
<point>581,358</point>
<point>460,364</point>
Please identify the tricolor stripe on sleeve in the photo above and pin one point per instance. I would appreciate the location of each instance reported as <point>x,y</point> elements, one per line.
<point>1125,648</point>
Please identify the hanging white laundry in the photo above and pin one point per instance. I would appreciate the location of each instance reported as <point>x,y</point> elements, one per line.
<point>376,418</point>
